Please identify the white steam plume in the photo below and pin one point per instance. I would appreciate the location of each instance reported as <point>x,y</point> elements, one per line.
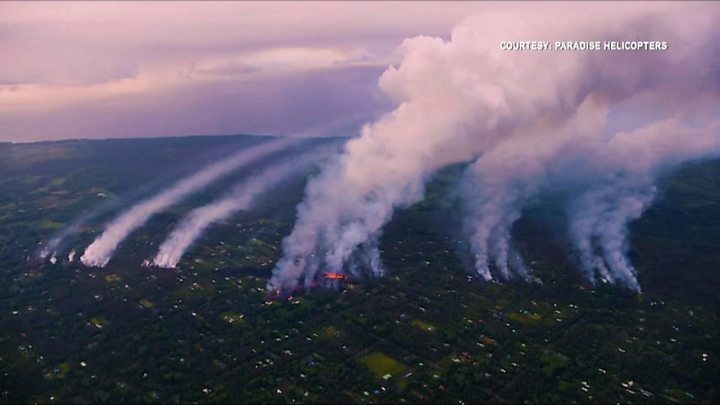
<point>56,242</point>
<point>599,216</point>
<point>599,230</point>
<point>98,254</point>
<point>526,120</point>
<point>241,197</point>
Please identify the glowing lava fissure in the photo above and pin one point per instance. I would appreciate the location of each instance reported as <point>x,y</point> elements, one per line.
<point>334,276</point>
<point>327,280</point>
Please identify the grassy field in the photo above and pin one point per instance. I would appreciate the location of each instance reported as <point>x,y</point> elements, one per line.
<point>382,365</point>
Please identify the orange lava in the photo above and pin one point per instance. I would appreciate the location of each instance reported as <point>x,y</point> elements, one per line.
<point>335,276</point>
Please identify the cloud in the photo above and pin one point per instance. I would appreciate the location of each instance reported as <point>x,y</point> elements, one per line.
<point>77,69</point>
<point>524,121</point>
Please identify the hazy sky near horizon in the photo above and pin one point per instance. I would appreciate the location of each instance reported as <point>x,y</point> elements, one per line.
<point>100,70</point>
<point>139,69</point>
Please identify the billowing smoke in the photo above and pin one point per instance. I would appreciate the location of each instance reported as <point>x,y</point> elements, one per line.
<point>241,197</point>
<point>52,245</point>
<point>602,124</point>
<point>626,170</point>
<point>57,241</point>
<point>101,250</point>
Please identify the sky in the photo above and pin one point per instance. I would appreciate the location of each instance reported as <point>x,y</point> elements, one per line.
<point>146,69</point>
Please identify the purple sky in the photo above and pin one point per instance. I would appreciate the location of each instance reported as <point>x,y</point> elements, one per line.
<point>102,70</point>
<point>137,69</point>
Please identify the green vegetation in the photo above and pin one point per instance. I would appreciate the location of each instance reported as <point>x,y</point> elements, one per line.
<point>552,362</point>
<point>330,332</point>
<point>525,318</point>
<point>59,372</point>
<point>113,278</point>
<point>233,318</point>
<point>127,333</point>
<point>98,322</point>
<point>51,225</point>
<point>382,365</point>
<point>146,303</point>
<point>426,326</point>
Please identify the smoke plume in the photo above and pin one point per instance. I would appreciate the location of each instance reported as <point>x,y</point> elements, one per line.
<point>241,197</point>
<point>57,241</point>
<point>98,254</point>
<point>602,124</point>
